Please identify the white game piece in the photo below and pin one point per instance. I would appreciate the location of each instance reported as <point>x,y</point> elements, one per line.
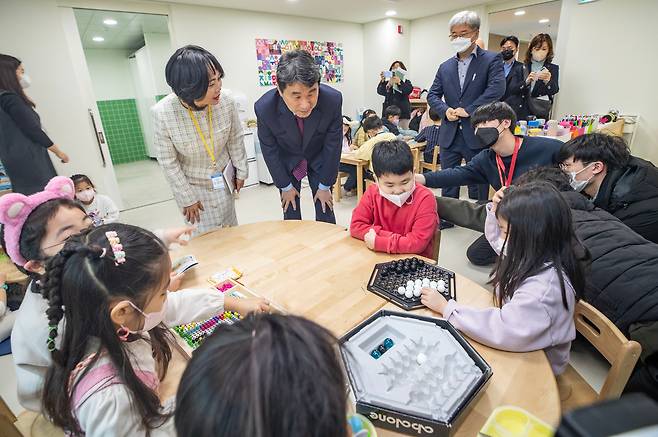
<point>401,290</point>
<point>409,293</point>
<point>410,283</point>
<point>426,282</point>
<point>441,288</point>
<point>418,283</point>
<point>417,291</point>
<point>441,284</point>
<point>421,358</point>
<point>433,285</point>
<point>410,288</point>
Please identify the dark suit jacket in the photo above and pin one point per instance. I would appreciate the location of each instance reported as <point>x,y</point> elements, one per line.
<point>516,91</point>
<point>281,141</point>
<point>485,83</point>
<point>546,89</point>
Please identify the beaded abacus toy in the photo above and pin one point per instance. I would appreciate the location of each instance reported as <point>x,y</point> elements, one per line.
<point>195,333</point>
<point>401,281</point>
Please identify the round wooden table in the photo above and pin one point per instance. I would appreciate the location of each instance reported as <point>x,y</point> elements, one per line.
<point>318,271</point>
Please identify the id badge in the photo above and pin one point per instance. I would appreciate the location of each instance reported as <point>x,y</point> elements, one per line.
<point>217,180</point>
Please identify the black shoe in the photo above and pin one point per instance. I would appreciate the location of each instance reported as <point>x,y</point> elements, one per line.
<point>445,224</point>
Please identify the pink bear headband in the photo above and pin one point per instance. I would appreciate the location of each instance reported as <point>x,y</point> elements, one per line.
<point>15,208</point>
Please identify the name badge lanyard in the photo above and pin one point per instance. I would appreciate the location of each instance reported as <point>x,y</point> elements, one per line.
<point>209,150</point>
<point>501,166</point>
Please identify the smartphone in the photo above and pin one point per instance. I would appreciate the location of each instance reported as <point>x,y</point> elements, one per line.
<point>388,74</point>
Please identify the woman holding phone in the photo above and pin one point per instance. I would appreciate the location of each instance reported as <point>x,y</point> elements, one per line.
<point>541,76</point>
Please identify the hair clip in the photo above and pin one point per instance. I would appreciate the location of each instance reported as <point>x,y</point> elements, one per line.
<point>117,247</point>
<point>51,339</point>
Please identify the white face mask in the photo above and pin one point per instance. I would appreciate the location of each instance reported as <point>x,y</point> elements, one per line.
<point>398,199</point>
<point>151,320</point>
<point>25,81</point>
<point>460,44</point>
<point>500,243</point>
<point>85,195</point>
<point>539,55</point>
<point>577,185</point>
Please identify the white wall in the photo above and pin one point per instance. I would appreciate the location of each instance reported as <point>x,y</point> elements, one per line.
<point>61,86</point>
<point>158,46</point>
<point>383,45</point>
<point>110,74</point>
<point>230,35</point>
<point>606,61</point>
<point>430,45</point>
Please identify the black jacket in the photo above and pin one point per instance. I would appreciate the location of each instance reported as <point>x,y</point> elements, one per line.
<point>631,195</point>
<point>516,91</point>
<point>392,97</point>
<point>624,265</point>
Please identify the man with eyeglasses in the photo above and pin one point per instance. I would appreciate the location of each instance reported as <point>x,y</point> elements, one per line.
<point>471,78</point>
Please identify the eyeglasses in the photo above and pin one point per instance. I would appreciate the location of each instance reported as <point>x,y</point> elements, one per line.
<point>462,35</point>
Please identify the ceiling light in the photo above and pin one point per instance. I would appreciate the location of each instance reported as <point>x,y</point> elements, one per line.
<point>544,21</point>
<point>519,13</point>
<point>391,13</point>
<point>110,21</point>
<point>98,39</point>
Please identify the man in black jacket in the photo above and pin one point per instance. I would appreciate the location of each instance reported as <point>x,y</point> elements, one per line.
<point>515,90</point>
<point>623,274</point>
<point>602,168</point>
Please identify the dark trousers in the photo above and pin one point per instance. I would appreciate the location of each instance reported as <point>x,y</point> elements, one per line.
<point>451,158</point>
<point>350,183</point>
<point>480,252</point>
<point>313,181</point>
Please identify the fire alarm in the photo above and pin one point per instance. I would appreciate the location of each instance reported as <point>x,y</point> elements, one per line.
<point>400,29</point>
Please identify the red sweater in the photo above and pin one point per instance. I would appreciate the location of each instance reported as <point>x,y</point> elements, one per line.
<point>407,229</point>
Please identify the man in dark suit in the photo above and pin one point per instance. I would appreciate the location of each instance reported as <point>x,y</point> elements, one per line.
<point>472,78</point>
<point>301,133</point>
<point>515,89</point>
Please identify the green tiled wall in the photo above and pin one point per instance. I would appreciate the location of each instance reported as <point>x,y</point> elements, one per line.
<point>122,129</point>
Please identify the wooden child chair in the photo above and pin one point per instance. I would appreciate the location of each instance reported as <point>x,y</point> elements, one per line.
<point>621,353</point>
<point>337,186</point>
<point>434,165</point>
<point>27,424</point>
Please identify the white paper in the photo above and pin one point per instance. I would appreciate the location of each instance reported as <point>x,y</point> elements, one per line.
<point>229,176</point>
<point>183,264</point>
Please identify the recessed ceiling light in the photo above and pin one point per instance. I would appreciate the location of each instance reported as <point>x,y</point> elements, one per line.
<point>544,21</point>
<point>519,13</point>
<point>98,39</point>
<point>391,13</point>
<point>110,21</point>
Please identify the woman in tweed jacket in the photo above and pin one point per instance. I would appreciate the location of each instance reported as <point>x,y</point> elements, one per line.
<point>197,134</point>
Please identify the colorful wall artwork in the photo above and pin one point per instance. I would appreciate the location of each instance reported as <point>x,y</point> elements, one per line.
<point>328,55</point>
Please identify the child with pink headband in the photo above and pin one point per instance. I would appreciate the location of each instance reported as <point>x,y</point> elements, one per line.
<point>35,228</point>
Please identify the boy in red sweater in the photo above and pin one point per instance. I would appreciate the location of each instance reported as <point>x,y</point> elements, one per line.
<point>395,215</point>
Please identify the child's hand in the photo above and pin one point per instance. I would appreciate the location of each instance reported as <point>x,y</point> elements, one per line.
<point>175,281</point>
<point>433,300</point>
<point>253,305</point>
<point>178,235</point>
<point>498,196</point>
<point>369,238</point>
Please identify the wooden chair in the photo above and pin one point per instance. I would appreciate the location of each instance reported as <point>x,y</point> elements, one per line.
<point>436,244</point>
<point>621,353</point>
<point>27,424</point>
<point>434,165</point>
<point>338,184</point>
<point>7,419</point>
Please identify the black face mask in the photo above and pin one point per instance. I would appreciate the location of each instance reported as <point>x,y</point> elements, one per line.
<point>487,136</point>
<point>507,54</point>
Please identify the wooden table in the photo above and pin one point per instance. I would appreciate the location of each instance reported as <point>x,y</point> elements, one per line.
<point>360,164</point>
<point>317,270</point>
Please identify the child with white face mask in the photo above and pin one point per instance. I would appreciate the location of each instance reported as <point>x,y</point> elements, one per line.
<point>395,215</point>
<point>99,207</point>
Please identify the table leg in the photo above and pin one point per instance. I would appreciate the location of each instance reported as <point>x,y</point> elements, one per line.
<point>359,182</point>
<point>416,154</point>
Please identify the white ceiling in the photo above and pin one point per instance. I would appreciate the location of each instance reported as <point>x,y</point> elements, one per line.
<point>526,26</point>
<point>127,34</point>
<point>356,11</point>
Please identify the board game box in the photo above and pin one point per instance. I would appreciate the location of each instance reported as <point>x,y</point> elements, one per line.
<point>412,374</point>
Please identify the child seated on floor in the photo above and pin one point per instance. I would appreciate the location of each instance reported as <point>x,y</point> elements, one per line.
<point>431,135</point>
<point>267,375</point>
<point>99,207</point>
<point>395,215</point>
<point>537,279</point>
